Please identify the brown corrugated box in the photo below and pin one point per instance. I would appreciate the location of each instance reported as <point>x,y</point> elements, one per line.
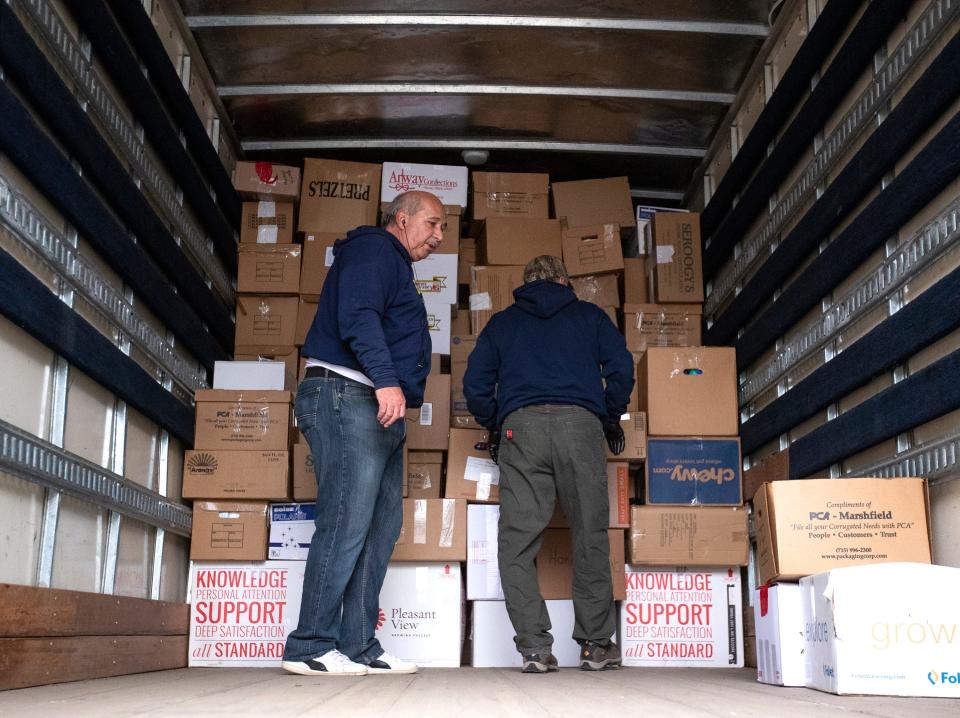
<point>338,196</point>
<point>266,222</point>
<point>816,525</point>
<point>288,355</point>
<point>317,260</point>
<point>268,268</point>
<point>460,349</point>
<point>620,489</point>
<point>689,391</point>
<point>427,426</point>
<point>469,448</point>
<point>229,531</point>
<point>510,194</point>
<point>588,202</point>
<point>555,564</point>
<point>467,260</point>
<point>306,311</point>
<point>662,325</point>
<point>600,289</point>
<point>424,474</point>
<point>248,420</point>
<point>266,181</point>
<point>517,240</point>
<point>634,427</point>
<point>229,474</point>
<point>775,467</point>
<point>635,281</point>
<point>592,250</point>
<point>265,322</point>
<point>491,290</point>
<point>433,530</point>
<point>688,536</point>
<point>675,262</point>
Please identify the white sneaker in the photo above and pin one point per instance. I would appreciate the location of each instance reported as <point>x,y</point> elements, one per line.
<point>390,664</point>
<point>331,663</point>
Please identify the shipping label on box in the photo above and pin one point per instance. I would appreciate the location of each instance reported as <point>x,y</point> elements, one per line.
<point>693,471</point>
<point>688,536</point>
<point>433,530</point>
<point>438,320</point>
<point>885,629</point>
<point>421,613</point>
<point>266,181</point>
<point>241,613</point>
<point>447,182</point>
<point>252,420</point>
<point>435,277</point>
<point>677,266</point>
<point>662,325</point>
<point>267,223</point>
<point>778,613</point>
<point>229,531</point>
<point>291,529</point>
<point>236,474</point>
<point>682,617</point>
<point>338,196</point>
<point>471,473</point>
<point>592,250</point>
<point>266,321</point>
<point>491,290</point>
<point>316,262</point>
<point>805,527</point>
<point>510,241</point>
<point>599,289</point>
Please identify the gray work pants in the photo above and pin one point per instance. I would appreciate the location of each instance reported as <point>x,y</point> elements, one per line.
<point>549,452</point>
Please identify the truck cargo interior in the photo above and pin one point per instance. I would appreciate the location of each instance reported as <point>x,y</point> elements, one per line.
<point>763,196</point>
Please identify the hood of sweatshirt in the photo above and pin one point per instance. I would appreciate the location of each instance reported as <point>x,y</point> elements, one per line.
<point>369,231</point>
<point>543,298</point>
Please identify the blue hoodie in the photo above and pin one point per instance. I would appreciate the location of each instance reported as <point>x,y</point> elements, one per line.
<point>548,348</point>
<point>371,317</point>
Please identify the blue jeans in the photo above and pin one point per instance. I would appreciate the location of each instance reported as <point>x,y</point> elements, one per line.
<point>359,469</point>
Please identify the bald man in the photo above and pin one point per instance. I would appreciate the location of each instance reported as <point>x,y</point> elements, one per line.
<point>368,356</point>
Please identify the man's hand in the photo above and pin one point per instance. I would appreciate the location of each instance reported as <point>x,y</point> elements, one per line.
<point>392,405</point>
<point>493,442</point>
<point>615,438</point>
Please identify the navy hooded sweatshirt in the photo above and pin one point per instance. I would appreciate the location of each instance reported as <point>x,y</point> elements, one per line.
<point>371,317</point>
<point>548,348</point>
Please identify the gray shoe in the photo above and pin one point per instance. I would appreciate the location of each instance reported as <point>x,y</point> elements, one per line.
<point>594,657</point>
<point>539,662</point>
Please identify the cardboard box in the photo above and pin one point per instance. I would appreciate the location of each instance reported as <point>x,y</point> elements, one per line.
<point>688,536</point>
<point>306,311</point>
<point>689,391</point>
<point>775,467</point>
<point>268,268</point>
<point>229,531</point>
<point>662,325</point>
<point>591,202</point>
<point>291,529</point>
<point>424,474</point>
<point>248,420</point>
<point>693,471</point>
<point>460,350</point>
<point>467,259</point>
<point>592,250</point>
<point>422,609</point>
<point>438,319</point>
<point>471,473</point>
<point>265,321</point>
<point>446,182</point>
<point>644,215</point>
<point>451,231</point>
<point>887,629</point>
<point>266,222</point>
<point>428,426</point>
<point>508,241</point>
<point>682,617</point>
<point>634,427</point>
<point>555,564</point>
<point>491,290</point>
<point>304,479</point>
<point>228,474</point>
<point>778,615</point>
<point>510,194</point>
<point>241,613</point>
<point>493,647</point>
<point>676,264</point>
<point>620,489</point>
<point>599,289</point>
<point>316,262</point>
<point>635,281</point>
<point>433,530</point>
<point>806,527</point>
<point>288,356</point>
<point>435,277</point>
<point>338,196</point>
<point>266,181</point>
<point>249,375</point>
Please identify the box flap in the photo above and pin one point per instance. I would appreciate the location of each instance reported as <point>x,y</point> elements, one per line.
<point>258,396</point>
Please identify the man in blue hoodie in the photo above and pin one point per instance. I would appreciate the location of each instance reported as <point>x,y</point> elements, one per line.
<point>368,356</point>
<point>549,378</point>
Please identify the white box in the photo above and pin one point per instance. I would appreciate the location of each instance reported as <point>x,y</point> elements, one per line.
<point>493,645</point>
<point>421,610</point>
<point>483,571</point>
<point>436,277</point>
<point>778,616</point>
<point>438,318</point>
<point>682,617</point>
<point>249,375</point>
<point>888,629</point>
<point>447,182</point>
<point>241,613</point>
<point>291,529</point>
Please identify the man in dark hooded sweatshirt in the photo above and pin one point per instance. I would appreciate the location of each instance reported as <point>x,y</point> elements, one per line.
<point>368,356</point>
<point>549,378</point>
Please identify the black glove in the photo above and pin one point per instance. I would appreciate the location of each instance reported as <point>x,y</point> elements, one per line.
<point>493,444</point>
<point>614,435</point>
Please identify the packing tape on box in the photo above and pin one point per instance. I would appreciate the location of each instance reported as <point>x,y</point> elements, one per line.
<point>664,253</point>
<point>426,414</point>
<point>328,257</point>
<point>687,365</point>
<point>420,521</point>
<point>448,523</point>
<point>480,302</point>
<point>266,209</point>
<point>267,234</point>
<point>483,486</point>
